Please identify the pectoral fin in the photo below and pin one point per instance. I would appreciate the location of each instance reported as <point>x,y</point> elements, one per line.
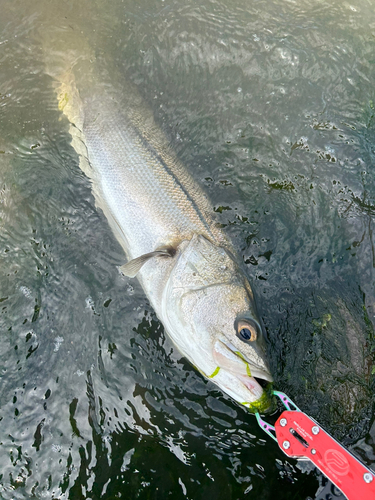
<point>132,267</point>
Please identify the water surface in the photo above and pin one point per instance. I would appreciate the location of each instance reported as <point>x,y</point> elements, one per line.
<point>270,105</point>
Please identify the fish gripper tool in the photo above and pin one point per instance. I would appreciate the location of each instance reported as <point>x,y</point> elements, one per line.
<point>300,436</point>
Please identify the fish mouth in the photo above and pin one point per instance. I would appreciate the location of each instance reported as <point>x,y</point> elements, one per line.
<point>256,381</point>
<point>260,374</point>
<point>261,389</point>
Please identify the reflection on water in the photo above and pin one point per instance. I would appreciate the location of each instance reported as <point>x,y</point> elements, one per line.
<point>271,106</point>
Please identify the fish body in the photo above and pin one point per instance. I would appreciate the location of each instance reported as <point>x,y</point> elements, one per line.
<point>162,219</point>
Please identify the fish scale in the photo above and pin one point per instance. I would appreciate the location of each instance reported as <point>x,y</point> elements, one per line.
<point>134,177</point>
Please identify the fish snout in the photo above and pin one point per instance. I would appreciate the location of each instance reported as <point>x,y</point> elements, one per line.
<point>236,363</point>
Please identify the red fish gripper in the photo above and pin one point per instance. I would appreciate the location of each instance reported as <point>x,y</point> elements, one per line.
<point>299,436</point>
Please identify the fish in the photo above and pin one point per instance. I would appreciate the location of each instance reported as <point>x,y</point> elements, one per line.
<point>185,263</point>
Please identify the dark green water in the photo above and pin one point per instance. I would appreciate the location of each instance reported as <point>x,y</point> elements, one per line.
<point>271,106</point>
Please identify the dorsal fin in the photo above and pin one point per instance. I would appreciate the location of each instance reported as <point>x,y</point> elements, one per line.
<point>132,267</point>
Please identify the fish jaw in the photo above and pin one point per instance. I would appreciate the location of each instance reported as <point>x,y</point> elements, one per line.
<point>244,390</point>
<point>239,378</point>
<point>232,360</point>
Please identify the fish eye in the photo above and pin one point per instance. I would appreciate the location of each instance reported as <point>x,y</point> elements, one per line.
<point>246,331</point>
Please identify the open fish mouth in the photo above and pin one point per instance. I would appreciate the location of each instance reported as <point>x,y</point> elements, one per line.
<point>263,389</point>
<point>249,384</point>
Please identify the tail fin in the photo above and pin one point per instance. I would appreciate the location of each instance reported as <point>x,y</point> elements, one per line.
<point>67,53</point>
<point>69,101</point>
<point>67,57</point>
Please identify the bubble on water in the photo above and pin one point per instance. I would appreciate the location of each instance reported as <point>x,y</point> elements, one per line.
<point>58,342</point>
<point>184,490</point>
<point>89,302</point>
<point>127,458</point>
<point>26,291</point>
<point>248,489</point>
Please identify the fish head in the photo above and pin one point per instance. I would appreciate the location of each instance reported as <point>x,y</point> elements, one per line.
<point>209,311</point>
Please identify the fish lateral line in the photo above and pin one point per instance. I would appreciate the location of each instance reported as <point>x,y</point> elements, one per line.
<point>160,157</point>
<point>202,287</point>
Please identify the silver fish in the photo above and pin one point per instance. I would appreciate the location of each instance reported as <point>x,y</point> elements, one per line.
<point>185,263</point>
